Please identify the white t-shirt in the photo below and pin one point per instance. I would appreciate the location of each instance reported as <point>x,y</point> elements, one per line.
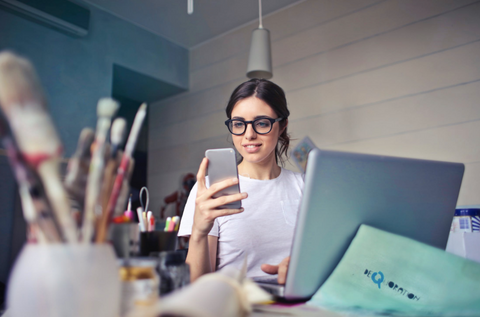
<point>264,230</point>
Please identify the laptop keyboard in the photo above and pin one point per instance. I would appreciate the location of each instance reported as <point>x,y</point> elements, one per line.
<point>266,279</point>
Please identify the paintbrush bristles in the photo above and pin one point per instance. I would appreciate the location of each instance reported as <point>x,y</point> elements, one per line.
<point>23,103</point>
<point>19,83</point>
<point>107,107</point>
<point>118,131</point>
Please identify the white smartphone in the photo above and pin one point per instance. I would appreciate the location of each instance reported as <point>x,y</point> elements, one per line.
<point>222,165</point>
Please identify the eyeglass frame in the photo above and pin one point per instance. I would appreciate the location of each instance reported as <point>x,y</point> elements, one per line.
<point>272,122</point>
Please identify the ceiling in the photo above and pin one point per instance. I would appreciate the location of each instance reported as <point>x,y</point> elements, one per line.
<point>169,18</point>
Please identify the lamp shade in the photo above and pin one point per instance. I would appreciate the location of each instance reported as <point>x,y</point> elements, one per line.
<point>260,58</point>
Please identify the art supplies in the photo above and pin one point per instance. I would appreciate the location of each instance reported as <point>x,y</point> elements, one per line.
<point>24,106</point>
<point>144,189</point>
<point>176,221</point>
<point>141,222</point>
<point>172,223</point>
<point>167,223</point>
<point>150,221</point>
<point>127,156</point>
<point>129,212</point>
<point>106,109</point>
<point>77,173</point>
<point>97,170</point>
<point>116,137</point>
<point>33,205</point>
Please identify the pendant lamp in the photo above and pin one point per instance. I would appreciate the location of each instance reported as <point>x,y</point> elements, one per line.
<point>260,58</point>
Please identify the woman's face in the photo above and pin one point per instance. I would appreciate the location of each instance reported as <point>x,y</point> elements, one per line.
<point>254,147</point>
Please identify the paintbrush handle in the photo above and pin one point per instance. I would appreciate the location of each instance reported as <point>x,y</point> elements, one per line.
<point>35,209</point>
<point>45,226</point>
<point>135,131</point>
<point>108,181</point>
<point>94,181</point>
<point>50,175</point>
<point>107,214</point>
<point>125,190</point>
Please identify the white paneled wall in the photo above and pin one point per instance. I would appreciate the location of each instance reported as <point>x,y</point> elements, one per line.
<point>394,77</point>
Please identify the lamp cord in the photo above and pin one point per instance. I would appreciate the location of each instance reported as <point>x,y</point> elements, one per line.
<point>260,26</point>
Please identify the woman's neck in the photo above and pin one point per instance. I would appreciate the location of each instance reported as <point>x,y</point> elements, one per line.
<point>261,171</point>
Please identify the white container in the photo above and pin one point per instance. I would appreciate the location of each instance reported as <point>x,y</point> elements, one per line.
<point>62,280</point>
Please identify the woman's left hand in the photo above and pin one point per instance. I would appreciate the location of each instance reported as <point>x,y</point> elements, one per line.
<point>280,269</point>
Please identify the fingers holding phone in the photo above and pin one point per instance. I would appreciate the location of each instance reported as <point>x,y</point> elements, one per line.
<point>223,196</point>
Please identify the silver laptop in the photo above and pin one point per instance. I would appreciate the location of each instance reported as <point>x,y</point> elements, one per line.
<point>410,197</point>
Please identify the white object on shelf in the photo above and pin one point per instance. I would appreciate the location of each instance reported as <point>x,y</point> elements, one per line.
<point>465,244</point>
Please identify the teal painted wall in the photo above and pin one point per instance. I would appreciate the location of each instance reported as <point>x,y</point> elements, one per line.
<point>76,72</point>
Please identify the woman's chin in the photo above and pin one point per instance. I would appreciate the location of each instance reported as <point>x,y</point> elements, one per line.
<point>256,158</point>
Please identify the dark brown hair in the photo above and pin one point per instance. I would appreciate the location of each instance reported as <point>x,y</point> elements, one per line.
<point>274,96</point>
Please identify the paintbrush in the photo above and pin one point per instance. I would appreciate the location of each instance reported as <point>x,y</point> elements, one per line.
<point>34,206</point>
<point>117,134</point>
<point>24,106</point>
<point>106,109</point>
<point>77,171</point>
<point>122,169</point>
<point>125,190</point>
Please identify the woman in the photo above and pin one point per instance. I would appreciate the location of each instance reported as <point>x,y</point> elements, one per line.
<point>262,230</point>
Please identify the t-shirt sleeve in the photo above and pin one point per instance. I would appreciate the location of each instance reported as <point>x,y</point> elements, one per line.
<point>186,223</point>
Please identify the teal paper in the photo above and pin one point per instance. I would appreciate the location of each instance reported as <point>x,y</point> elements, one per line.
<point>393,275</point>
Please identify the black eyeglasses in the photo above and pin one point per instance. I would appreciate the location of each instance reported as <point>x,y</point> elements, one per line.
<point>260,125</point>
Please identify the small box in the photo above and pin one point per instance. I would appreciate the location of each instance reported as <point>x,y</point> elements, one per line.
<point>465,244</point>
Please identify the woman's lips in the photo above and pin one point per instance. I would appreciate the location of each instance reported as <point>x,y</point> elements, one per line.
<point>252,148</point>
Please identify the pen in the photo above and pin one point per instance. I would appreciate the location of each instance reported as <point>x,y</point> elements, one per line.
<point>171,225</point>
<point>144,215</point>
<point>129,212</point>
<point>167,223</point>
<point>140,219</point>
<point>177,222</point>
<point>150,221</point>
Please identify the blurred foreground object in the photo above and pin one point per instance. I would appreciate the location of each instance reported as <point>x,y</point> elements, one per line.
<point>24,106</point>
<point>64,280</point>
<point>224,293</point>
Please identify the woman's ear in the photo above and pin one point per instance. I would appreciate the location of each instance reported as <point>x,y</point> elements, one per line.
<point>285,126</point>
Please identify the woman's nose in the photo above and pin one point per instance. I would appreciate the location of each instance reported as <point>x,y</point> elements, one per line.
<point>250,133</point>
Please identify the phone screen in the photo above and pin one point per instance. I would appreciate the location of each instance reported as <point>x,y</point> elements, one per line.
<point>222,165</point>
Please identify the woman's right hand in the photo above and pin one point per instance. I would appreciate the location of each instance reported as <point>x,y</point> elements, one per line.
<point>206,206</point>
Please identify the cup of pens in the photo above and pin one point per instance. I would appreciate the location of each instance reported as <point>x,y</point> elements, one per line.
<point>159,240</point>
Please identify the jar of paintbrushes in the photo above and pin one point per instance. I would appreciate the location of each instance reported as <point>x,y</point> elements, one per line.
<point>66,268</point>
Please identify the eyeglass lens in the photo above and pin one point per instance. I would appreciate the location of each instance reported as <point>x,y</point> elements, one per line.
<point>261,126</point>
